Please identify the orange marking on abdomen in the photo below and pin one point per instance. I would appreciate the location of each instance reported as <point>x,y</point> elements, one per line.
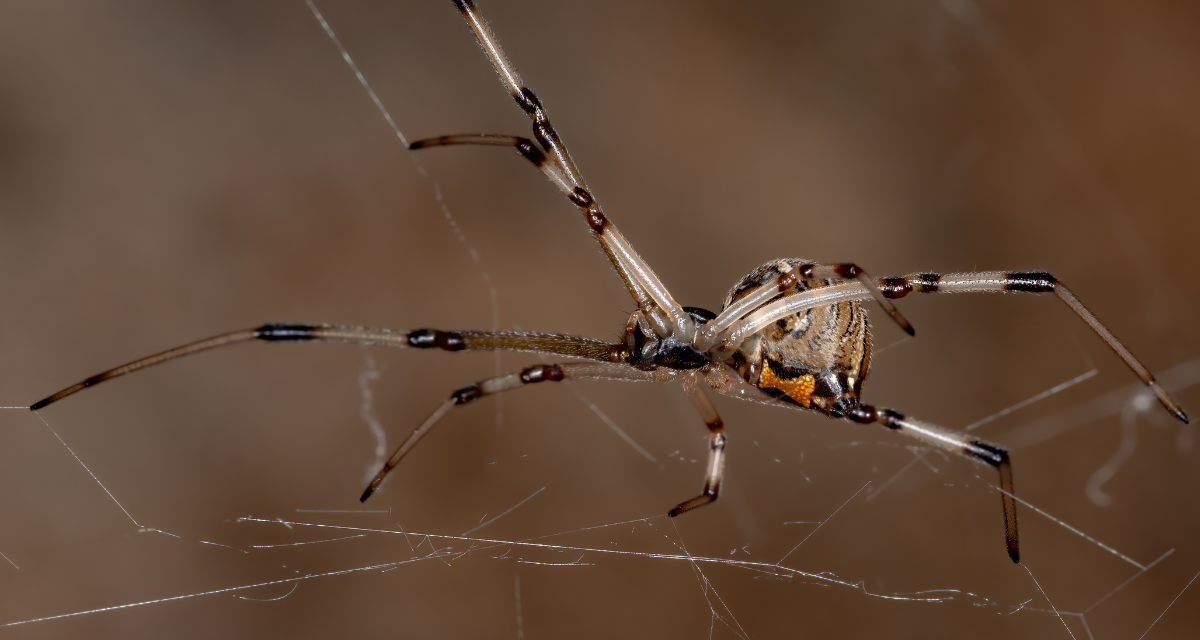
<point>798,389</point>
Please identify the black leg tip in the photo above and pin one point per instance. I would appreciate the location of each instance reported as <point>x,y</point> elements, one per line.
<point>1181,415</point>
<point>674,512</point>
<point>42,403</point>
<point>1015,555</point>
<point>367,494</point>
<point>910,331</point>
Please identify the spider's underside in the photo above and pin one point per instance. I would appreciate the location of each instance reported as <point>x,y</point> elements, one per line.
<point>792,332</point>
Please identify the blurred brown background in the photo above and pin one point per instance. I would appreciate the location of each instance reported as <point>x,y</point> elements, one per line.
<point>172,171</point>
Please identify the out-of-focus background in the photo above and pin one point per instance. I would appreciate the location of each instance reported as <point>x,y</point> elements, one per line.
<point>170,171</point>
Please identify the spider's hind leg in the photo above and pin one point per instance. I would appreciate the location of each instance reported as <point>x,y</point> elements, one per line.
<point>954,442</point>
<point>716,447</point>
<point>529,375</point>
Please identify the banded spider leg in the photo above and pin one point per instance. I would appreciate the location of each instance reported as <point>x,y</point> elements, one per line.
<point>552,343</point>
<point>715,468</point>
<point>509,381</point>
<point>648,292</point>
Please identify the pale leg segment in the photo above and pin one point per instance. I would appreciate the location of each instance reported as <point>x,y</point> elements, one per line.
<point>716,446</point>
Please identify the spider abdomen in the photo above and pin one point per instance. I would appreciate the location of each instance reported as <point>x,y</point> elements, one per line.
<point>817,358</point>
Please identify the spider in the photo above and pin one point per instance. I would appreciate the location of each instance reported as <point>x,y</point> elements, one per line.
<point>792,332</point>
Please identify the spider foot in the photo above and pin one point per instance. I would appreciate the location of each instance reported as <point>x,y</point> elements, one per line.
<point>698,501</point>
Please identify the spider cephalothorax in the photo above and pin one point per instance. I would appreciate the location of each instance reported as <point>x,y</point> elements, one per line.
<point>642,347</point>
<point>795,330</point>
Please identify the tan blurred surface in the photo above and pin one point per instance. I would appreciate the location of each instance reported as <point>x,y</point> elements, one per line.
<point>172,171</point>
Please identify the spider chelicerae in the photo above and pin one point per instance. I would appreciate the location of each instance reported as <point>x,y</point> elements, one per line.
<point>792,332</point>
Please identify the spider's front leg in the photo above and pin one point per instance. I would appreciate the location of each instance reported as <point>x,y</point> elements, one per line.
<point>954,442</point>
<point>716,447</point>
<point>550,155</point>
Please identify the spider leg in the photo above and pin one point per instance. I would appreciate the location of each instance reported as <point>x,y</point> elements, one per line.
<point>732,338</point>
<point>975,282</point>
<point>1027,282</point>
<point>558,344</point>
<point>784,284</point>
<point>716,447</point>
<point>647,290</point>
<point>524,146</point>
<point>851,271</point>
<point>954,442</point>
<point>530,375</point>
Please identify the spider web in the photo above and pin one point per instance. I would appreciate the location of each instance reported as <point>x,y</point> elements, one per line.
<point>219,166</point>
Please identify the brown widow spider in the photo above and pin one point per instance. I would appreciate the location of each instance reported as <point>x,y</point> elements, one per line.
<point>792,332</point>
